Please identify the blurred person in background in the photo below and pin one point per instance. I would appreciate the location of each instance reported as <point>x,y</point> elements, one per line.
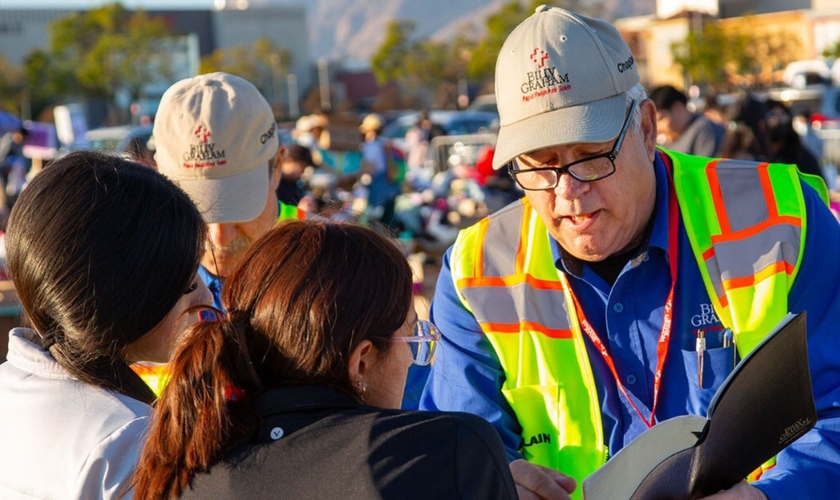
<point>417,140</point>
<point>783,142</point>
<point>296,393</point>
<point>749,110</point>
<point>771,123</point>
<point>682,130</point>
<point>103,255</point>
<point>739,143</point>
<point>379,164</point>
<point>296,162</point>
<point>14,166</point>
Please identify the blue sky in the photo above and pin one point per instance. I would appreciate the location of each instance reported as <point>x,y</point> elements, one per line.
<point>86,4</point>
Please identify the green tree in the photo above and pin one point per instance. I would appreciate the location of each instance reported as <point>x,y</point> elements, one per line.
<point>441,65</point>
<point>499,25</point>
<point>108,49</point>
<point>11,86</point>
<point>713,56</point>
<point>261,63</point>
<point>833,51</point>
<point>388,60</point>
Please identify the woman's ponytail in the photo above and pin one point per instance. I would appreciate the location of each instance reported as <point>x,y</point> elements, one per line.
<point>204,411</point>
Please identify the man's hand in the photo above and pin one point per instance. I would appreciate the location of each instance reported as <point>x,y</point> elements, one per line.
<point>535,482</point>
<point>741,491</point>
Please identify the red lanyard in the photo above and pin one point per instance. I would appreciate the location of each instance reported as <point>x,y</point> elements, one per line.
<point>665,334</point>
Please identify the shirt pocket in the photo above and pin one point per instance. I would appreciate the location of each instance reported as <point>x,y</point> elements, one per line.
<point>718,363</point>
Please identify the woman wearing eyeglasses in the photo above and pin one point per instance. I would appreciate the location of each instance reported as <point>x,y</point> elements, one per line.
<point>295,394</point>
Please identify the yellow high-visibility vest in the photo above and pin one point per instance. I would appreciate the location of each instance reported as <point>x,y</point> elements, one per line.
<point>746,224</point>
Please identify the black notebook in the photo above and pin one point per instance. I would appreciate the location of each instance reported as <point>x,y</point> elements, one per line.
<point>764,405</point>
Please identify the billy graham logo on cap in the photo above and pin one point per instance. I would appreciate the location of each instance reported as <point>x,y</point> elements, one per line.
<point>215,136</point>
<point>561,78</point>
<point>203,154</point>
<point>545,79</point>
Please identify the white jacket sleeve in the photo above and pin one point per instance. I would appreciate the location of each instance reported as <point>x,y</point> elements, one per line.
<point>111,463</point>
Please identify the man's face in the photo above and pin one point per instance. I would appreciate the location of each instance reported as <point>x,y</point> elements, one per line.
<point>664,126</point>
<point>594,220</point>
<point>671,122</point>
<point>227,243</point>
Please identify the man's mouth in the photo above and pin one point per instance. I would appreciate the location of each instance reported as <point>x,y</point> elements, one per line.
<point>582,220</point>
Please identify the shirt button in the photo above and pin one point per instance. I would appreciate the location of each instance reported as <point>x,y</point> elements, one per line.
<point>618,307</point>
<point>631,379</point>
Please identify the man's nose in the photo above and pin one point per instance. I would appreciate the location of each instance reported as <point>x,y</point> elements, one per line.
<point>570,188</point>
<point>221,235</point>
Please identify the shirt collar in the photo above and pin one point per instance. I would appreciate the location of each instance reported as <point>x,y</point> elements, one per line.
<point>302,397</point>
<point>659,233</point>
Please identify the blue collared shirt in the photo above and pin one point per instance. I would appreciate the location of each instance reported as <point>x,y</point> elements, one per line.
<point>214,284</point>
<point>467,376</point>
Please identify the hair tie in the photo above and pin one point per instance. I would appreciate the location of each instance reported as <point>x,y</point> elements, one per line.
<point>47,341</point>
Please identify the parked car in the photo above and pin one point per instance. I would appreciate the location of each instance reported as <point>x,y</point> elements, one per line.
<point>800,74</point>
<point>485,102</point>
<point>131,141</point>
<point>117,139</point>
<point>820,102</point>
<point>451,122</point>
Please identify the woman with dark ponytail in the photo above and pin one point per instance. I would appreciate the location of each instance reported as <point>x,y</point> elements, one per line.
<point>103,254</point>
<point>295,394</point>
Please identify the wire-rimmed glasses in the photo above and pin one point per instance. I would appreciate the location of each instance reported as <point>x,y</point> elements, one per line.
<point>590,169</point>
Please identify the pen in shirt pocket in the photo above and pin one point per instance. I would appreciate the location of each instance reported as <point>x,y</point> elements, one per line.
<point>701,351</point>
<point>729,341</point>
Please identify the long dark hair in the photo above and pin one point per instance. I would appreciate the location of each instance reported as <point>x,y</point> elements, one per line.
<point>303,297</point>
<point>100,249</point>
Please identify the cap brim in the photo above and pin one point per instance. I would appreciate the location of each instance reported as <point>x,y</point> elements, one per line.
<point>597,121</point>
<point>239,198</point>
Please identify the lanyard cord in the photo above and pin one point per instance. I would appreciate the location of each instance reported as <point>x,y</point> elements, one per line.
<point>665,334</point>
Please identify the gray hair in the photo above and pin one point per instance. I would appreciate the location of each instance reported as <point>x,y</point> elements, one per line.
<point>636,93</point>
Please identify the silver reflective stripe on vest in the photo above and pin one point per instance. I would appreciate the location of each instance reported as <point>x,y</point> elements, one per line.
<point>504,231</point>
<point>510,305</point>
<point>519,302</point>
<point>745,205</point>
<point>772,245</point>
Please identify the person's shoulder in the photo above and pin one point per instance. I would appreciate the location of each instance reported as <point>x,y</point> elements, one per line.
<point>453,424</point>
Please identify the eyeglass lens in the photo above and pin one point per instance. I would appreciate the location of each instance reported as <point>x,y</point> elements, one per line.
<point>423,352</point>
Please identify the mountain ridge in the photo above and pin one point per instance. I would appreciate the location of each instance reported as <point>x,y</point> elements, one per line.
<point>354,29</point>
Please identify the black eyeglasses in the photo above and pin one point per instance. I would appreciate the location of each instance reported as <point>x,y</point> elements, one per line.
<point>591,169</point>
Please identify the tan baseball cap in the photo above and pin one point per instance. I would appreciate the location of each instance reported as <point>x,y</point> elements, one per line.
<point>214,135</point>
<point>561,78</point>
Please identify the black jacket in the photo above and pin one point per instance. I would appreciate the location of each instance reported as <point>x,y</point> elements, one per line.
<point>317,443</point>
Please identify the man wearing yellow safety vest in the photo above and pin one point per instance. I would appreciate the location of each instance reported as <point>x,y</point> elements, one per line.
<point>215,137</point>
<point>570,318</point>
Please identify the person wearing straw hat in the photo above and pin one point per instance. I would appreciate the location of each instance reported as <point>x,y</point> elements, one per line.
<point>569,319</point>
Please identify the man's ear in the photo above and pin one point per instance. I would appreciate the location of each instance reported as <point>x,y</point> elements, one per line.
<point>648,127</point>
<point>361,362</point>
<point>276,172</point>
